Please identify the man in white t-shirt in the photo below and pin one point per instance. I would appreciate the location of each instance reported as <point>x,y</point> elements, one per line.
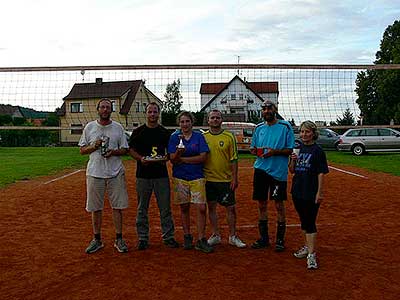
<point>105,141</point>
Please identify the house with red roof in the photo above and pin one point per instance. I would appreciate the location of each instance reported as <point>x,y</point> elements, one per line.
<point>238,99</point>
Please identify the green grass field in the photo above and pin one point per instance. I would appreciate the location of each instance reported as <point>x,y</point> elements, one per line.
<point>25,163</point>
<point>387,162</point>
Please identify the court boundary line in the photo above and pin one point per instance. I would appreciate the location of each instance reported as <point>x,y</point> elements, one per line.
<point>331,167</point>
<point>348,172</point>
<point>252,226</point>
<point>62,177</point>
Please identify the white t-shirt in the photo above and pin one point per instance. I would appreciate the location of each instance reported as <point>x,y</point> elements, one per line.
<point>98,166</point>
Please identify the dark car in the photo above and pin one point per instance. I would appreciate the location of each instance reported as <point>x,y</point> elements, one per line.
<point>327,139</point>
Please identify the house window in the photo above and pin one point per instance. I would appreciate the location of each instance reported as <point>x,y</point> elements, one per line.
<point>144,106</point>
<point>233,97</point>
<point>240,96</point>
<point>76,129</point>
<point>137,107</point>
<point>76,107</point>
<point>113,106</point>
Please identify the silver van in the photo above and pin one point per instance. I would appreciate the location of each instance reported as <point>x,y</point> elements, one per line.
<point>364,140</point>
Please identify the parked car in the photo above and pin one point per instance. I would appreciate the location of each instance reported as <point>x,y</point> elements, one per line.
<point>327,139</point>
<point>364,140</point>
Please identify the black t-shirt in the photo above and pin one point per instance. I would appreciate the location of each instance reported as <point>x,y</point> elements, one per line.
<point>147,141</point>
<point>310,162</point>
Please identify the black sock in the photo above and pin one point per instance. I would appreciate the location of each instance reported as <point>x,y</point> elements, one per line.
<point>97,236</point>
<point>280,230</point>
<point>119,236</point>
<point>263,229</point>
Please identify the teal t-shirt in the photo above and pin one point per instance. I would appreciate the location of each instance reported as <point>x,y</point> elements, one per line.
<point>277,136</point>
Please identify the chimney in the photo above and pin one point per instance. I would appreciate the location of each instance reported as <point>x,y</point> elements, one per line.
<point>99,81</point>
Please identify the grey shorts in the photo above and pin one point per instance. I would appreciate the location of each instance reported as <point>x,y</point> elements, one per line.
<point>116,190</point>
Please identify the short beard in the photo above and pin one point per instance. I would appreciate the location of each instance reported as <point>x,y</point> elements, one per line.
<point>105,118</point>
<point>269,117</point>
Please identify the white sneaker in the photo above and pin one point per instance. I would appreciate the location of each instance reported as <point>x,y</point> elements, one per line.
<point>312,261</point>
<point>235,241</point>
<point>301,253</point>
<point>214,240</point>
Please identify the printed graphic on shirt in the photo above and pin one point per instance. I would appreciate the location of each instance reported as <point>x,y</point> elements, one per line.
<point>303,163</point>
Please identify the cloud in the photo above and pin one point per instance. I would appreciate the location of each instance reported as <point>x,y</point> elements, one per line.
<point>157,32</point>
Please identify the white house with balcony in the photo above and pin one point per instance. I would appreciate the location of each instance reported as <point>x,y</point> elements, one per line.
<point>238,99</point>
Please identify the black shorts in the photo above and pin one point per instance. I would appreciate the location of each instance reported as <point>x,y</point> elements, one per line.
<point>264,184</point>
<point>220,192</point>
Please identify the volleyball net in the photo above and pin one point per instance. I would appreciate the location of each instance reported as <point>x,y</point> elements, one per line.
<point>321,93</point>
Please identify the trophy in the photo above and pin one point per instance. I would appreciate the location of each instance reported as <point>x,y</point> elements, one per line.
<point>105,141</point>
<point>181,145</point>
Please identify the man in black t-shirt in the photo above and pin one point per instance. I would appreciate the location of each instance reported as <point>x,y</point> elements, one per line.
<point>148,144</point>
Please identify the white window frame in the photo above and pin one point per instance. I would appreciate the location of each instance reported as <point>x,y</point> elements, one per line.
<point>80,107</point>
<point>76,129</point>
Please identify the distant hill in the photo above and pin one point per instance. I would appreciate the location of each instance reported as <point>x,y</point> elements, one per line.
<point>22,112</point>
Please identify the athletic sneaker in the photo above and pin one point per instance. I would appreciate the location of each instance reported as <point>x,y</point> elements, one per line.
<point>301,253</point>
<point>259,244</point>
<point>235,241</point>
<point>312,261</point>
<point>143,245</point>
<point>94,246</point>
<point>203,246</point>
<point>187,242</point>
<point>214,239</point>
<point>120,245</point>
<point>171,243</point>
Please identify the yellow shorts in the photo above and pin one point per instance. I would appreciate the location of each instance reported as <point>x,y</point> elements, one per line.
<point>189,191</point>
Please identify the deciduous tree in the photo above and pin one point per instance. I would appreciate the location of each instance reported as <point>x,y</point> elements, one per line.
<point>379,90</point>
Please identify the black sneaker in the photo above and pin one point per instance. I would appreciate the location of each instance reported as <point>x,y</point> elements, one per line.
<point>279,245</point>
<point>94,246</point>
<point>171,243</point>
<point>143,245</point>
<point>260,244</point>
<point>187,242</point>
<point>203,246</point>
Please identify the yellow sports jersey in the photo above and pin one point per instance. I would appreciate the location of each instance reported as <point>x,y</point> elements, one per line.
<point>223,151</point>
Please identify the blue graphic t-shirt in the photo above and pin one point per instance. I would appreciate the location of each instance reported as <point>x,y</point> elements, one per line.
<point>310,162</point>
<point>278,136</point>
<point>194,146</point>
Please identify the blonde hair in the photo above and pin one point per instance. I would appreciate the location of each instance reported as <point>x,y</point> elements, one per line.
<point>310,126</point>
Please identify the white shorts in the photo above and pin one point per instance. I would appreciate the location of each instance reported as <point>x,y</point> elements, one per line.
<point>116,190</point>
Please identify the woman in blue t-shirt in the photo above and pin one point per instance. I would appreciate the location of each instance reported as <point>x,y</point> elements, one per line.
<point>188,151</point>
<point>309,165</point>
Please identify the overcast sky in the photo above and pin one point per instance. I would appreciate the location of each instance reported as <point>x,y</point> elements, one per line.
<point>110,32</point>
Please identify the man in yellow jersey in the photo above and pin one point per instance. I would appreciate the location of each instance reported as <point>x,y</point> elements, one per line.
<point>221,172</point>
